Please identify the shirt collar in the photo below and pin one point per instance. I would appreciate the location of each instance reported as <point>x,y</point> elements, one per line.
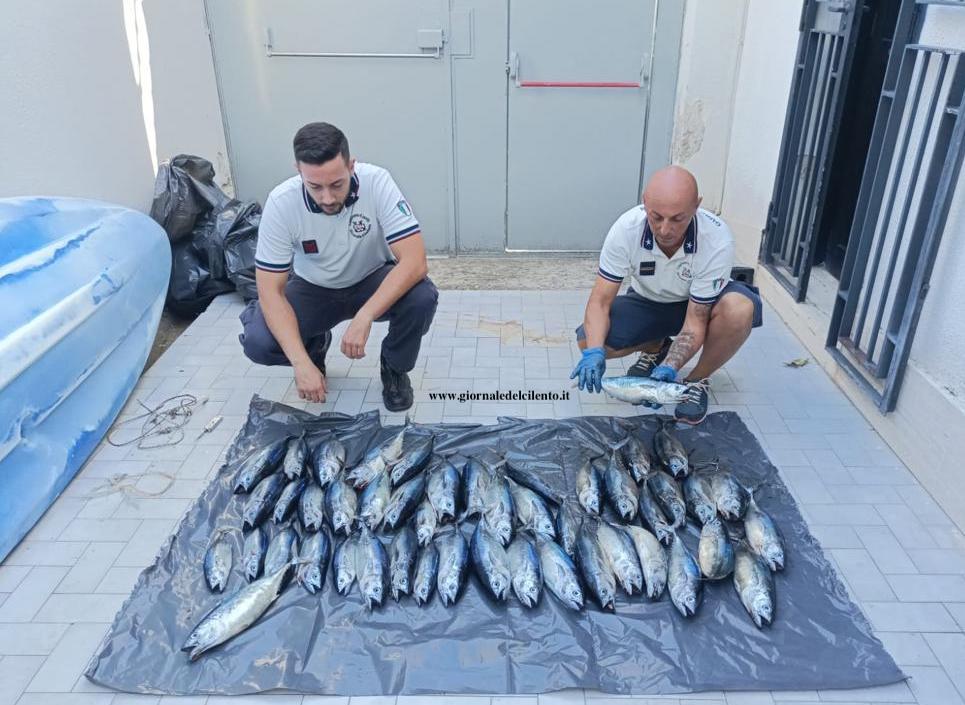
<point>690,241</point>
<point>353,196</point>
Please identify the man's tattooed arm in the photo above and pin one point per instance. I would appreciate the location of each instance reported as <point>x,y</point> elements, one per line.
<point>691,336</point>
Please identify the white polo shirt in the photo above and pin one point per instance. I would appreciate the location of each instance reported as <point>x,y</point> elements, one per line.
<point>334,251</point>
<point>699,269</point>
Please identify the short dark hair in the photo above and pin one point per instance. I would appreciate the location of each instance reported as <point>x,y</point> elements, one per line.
<point>320,142</point>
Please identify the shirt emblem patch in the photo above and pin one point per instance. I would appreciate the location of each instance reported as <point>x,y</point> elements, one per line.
<point>310,247</point>
<point>359,225</point>
<point>404,208</point>
<point>684,271</point>
<point>648,268</point>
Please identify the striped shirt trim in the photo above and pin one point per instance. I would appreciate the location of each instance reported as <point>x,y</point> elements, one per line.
<point>269,267</point>
<point>609,277</point>
<point>702,300</point>
<point>402,234</point>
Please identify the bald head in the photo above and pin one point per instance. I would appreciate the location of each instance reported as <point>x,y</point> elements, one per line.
<point>671,199</point>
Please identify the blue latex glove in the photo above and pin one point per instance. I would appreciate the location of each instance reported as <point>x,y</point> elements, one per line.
<point>662,373</point>
<point>590,369</point>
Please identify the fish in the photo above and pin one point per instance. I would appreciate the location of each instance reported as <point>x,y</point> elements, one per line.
<point>402,558</point>
<point>699,496</point>
<point>403,502</point>
<point>311,507</point>
<point>589,487</point>
<point>637,458</point>
<point>426,570</point>
<point>453,564</point>
<point>344,571</point>
<point>755,586</point>
<point>412,461</point>
<point>313,560</point>
<point>669,497</point>
<point>595,569</point>
<point>236,613</point>
<point>500,513</point>
<point>294,463</point>
<point>217,561</point>
<point>559,574</point>
<point>288,501</point>
<point>475,476</point>
<point>568,521</point>
<point>652,516</point>
<point>730,495</point>
<point>524,568</point>
<point>258,465</point>
<point>653,560</point>
<point>621,554</point>
<point>443,490</point>
<point>530,477</point>
<point>328,460</point>
<point>620,489</point>
<point>671,451</point>
<point>715,555</point>
<point>683,579</point>
<point>262,500</point>
<point>490,561</point>
<point>372,465</point>
<point>763,537</point>
<point>372,565</point>
<point>391,449</point>
<point>341,505</point>
<point>531,512</point>
<point>425,521</point>
<point>637,390</point>
<point>282,549</point>
<point>374,499</point>
<point>253,553</point>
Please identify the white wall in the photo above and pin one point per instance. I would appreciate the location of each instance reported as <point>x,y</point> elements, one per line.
<point>709,60</point>
<point>760,105</point>
<point>96,93</point>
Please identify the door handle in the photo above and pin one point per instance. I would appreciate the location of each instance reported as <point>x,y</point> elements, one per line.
<point>512,69</point>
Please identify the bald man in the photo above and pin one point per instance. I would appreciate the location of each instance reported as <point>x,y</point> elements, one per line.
<point>679,258</point>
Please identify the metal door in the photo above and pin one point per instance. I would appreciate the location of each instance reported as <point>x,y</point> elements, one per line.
<point>375,68</point>
<point>829,33</point>
<point>577,113</point>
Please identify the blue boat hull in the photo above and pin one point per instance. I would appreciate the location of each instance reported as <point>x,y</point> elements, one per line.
<point>82,287</point>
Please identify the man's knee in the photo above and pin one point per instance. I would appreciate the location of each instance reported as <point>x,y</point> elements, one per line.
<point>421,300</point>
<point>736,309</point>
<point>258,344</point>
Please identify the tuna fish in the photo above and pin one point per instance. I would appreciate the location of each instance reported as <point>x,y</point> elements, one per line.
<point>475,479</point>
<point>403,502</point>
<point>755,586</point>
<point>282,549</point>
<point>217,561</point>
<point>594,567</point>
<point>729,495</point>
<point>311,507</point>
<point>637,458</point>
<point>426,571</point>
<point>253,554</point>
<point>313,560</point>
<point>372,466</point>
<point>669,497</point>
<point>453,564</point>
<point>589,487</point>
<point>683,579</point>
<point>500,513</point>
<point>374,499</point>
<point>344,571</point>
<point>637,390</point>
<point>412,461</point>
<point>258,465</point>
<point>699,496</point>
<point>568,521</point>
<point>443,490</point>
<point>653,517</point>
<point>532,478</point>
<point>490,561</point>
<point>288,501</point>
<point>559,574</point>
<point>236,613</point>
<point>653,560</point>
<point>525,571</point>
<point>531,511</point>
<point>294,463</point>
<point>621,554</point>
<point>372,565</point>
<point>715,555</point>
<point>341,504</point>
<point>763,537</point>
<point>671,451</point>
<point>621,491</point>
<point>425,521</point>
<point>328,460</point>
<point>402,557</point>
<point>261,502</point>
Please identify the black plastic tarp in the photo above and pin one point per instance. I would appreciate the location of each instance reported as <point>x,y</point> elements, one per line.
<point>329,644</point>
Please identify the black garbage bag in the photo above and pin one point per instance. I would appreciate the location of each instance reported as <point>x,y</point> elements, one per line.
<point>213,236</point>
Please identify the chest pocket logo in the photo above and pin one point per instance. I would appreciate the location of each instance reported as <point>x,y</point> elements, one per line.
<point>684,271</point>
<point>648,269</point>
<point>359,225</point>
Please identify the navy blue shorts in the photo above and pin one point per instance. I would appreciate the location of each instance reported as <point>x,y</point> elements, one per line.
<point>635,320</point>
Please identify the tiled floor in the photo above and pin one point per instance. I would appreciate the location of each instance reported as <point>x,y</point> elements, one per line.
<point>902,558</point>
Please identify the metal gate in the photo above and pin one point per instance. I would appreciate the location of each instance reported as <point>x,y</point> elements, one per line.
<point>829,33</point>
<point>909,179</point>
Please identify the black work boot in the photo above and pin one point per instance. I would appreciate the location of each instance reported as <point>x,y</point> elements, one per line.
<point>318,350</point>
<point>649,360</point>
<point>396,388</point>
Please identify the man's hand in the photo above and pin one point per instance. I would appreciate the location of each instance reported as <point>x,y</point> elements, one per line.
<point>664,373</point>
<point>357,335</point>
<point>310,382</point>
<point>590,369</point>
